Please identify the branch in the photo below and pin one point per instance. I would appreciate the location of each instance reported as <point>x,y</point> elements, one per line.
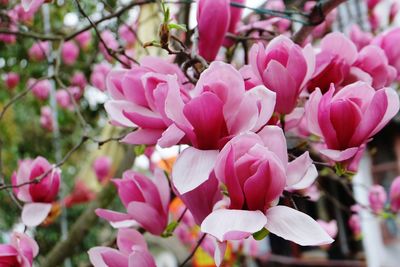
<point>316,17</point>
<point>33,35</point>
<point>193,251</point>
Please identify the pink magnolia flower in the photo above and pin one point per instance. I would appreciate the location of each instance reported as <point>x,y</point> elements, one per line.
<point>63,99</point>
<point>325,26</point>
<point>236,14</point>
<point>333,62</point>
<point>11,80</point>
<point>377,198</point>
<point>219,109</point>
<point>84,39</point>
<point>146,202</point>
<point>126,34</point>
<point>355,224</point>
<point>8,38</point>
<point>255,170</point>
<point>359,37</point>
<point>395,195</point>
<point>144,107</point>
<point>36,196</point>
<point>40,89</point>
<point>46,118</point>
<point>213,18</point>
<point>76,92</point>
<point>99,74</point>
<point>349,119</point>
<point>102,167</point>
<point>69,52</point>
<point>394,10</point>
<point>20,252</point>
<point>374,20</point>
<point>283,58</point>
<point>132,252</point>
<point>79,79</point>
<point>111,44</point>
<point>39,51</point>
<point>389,41</point>
<point>372,3</point>
<point>372,65</point>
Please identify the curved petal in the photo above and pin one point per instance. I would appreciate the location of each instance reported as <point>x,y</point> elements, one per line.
<point>143,137</point>
<point>112,216</point>
<point>148,217</point>
<point>192,168</point>
<point>227,224</point>
<point>34,214</point>
<point>339,155</point>
<point>127,238</point>
<point>301,172</point>
<point>141,258</point>
<point>274,139</point>
<point>296,226</point>
<point>115,110</point>
<point>171,136</point>
<point>96,256</point>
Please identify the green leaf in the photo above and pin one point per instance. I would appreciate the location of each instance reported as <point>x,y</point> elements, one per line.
<point>260,235</point>
<point>170,229</point>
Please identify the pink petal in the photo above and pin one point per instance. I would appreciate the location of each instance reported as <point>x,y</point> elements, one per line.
<point>143,137</point>
<point>192,168</point>
<point>98,255</point>
<point>141,258</point>
<point>112,216</point>
<point>219,253</point>
<point>127,238</point>
<point>339,155</point>
<point>338,44</point>
<point>148,217</point>
<point>274,139</point>
<point>115,110</point>
<point>296,226</point>
<point>171,136</point>
<point>161,182</point>
<point>311,108</point>
<point>227,224</point>
<point>301,172</point>
<point>34,214</point>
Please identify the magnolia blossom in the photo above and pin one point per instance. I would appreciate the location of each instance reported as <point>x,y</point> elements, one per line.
<point>359,37</point>
<point>102,167</point>
<point>79,79</point>
<point>283,58</point>
<point>38,197</point>
<point>110,42</point>
<point>127,34</point>
<point>39,51</point>
<point>389,42</point>
<point>255,170</point>
<point>46,118</point>
<point>11,80</point>
<point>395,195</point>
<point>20,252</point>
<point>355,224</point>
<point>219,109</point>
<point>132,252</point>
<point>99,74</point>
<point>84,39</point>
<point>145,106</point>
<point>63,99</point>
<point>69,52</point>
<point>40,88</point>
<point>348,119</point>
<point>333,62</point>
<point>213,18</point>
<point>372,66</point>
<point>377,198</point>
<point>394,10</point>
<point>236,14</point>
<point>325,26</point>
<point>80,194</point>
<point>145,200</point>
<point>29,5</point>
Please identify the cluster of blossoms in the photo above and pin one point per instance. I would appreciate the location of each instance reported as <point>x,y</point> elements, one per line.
<point>233,124</point>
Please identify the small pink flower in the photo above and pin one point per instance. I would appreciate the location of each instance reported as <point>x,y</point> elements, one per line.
<point>80,194</point>
<point>394,10</point>
<point>377,198</point>
<point>39,51</point>
<point>69,52</point>
<point>84,39</point>
<point>102,167</point>
<point>213,18</point>
<point>12,80</point>
<point>111,44</point>
<point>355,224</point>
<point>145,200</point>
<point>20,252</point>
<point>127,34</point>
<point>330,227</point>
<point>99,74</point>
<point>359,37</point>
<point>46,118</point>
<point>63,99</point>
<point>79,79</point>
<point>395,195</point>
<point>36,196</point>
<point>132,251</point>
<point>40,89</point>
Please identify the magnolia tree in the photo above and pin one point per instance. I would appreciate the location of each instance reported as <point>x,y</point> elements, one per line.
<point>259,102</point>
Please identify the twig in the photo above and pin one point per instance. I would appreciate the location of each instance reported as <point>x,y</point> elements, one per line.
<point>193,251</point>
